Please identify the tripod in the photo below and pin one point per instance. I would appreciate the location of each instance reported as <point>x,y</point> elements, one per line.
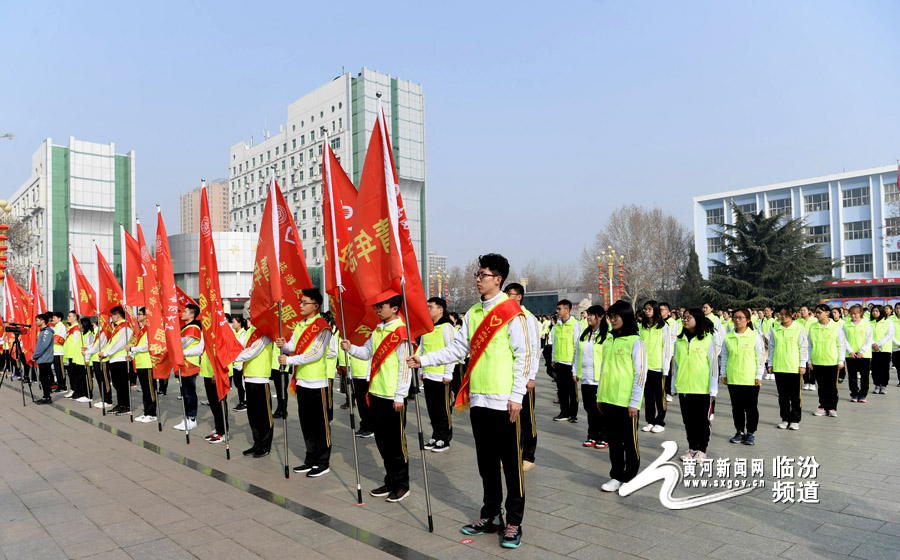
<point>21,368</point>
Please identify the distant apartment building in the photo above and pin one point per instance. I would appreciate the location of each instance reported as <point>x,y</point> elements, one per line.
<point>219,207</point>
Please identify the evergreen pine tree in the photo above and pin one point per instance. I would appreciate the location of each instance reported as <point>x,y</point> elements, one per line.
<point>693,290</point>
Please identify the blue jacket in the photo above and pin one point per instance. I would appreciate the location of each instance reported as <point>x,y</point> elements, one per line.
<point>43,350</point>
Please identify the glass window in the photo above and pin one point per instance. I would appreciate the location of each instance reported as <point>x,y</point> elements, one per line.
<point>284,148</point>
<point>269,155</point>
<point>858,230</point>
<point>314,249</point>
<point>710,270</point>
<point>332,108</point>
<point>300,173</point>
<point>892,227</point>
<point>314,211</point>
<point>303,194</point>
<point>891,192</point>
<point>276,150</point>
<point>336,143</point>
<point>818,202</point>
<point>294,144</point>
<point>303,213</point>
<point>714,244</point>
<point>856,197</point>
<point>294,129</point>
<point>819,234</point>
<point>854,264</point>
<point>893,261</point>
<point>292,161</point>
<point>749,208</point>
<point>779,207</point>
<point>301,157</point>
<point>304,234</point>
<point>302,139</point>
<point>312,135</point>
<point>282,165</point>
<point>715,216</point>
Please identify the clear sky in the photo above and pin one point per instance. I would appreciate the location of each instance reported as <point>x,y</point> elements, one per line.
<point>541,118</point>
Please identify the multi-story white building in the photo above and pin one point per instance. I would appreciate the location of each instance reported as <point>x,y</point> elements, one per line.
<point>235,252</point>
<point>345,109</point>
<point>77,195</point>
<point>854,217</point>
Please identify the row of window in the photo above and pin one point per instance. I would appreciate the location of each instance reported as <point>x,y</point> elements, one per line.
<point>312,118</point>
<point>818,202</point>
<point>822,234</point>
<point>283,149</point>
<point>855,264</point>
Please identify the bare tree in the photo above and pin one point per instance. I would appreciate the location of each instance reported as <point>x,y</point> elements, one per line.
<point>462,293</point>
<point>655,246</point>
<point>21,251</point>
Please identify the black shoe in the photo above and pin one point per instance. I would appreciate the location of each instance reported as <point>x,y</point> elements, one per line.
<point>260,454</point>
<point>381,491</point>
<point>241,407</point>
<point>46,400</point>
<point>363,434</point>
<point>279,414</point>
<point>573,420</point>
<point>738,437</point>
<point>318,471</point>
<point>397,495</point>
<point>123,411</point>
<point>482,526</point>
<point>302,468</point>
<point>511,537</point>
<point>345,406</point>
<point>251,451</point>
<point>560,418</point>
<point>749,439</point>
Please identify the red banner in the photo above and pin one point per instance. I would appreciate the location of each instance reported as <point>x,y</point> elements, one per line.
<point>220,342</point>
<point>166,279</point>
<point>37,306</point>
<point>85,298</point>
<point>382,253</point>
<point>156,330</point>
<point>339,199</point>
<point>109,293</point>
<point>132,270</point>
<point>183,299</point>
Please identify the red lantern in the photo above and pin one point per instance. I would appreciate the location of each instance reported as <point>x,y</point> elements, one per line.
<point>3,247</point>
<point>3,258</point>
<point>2,267</point>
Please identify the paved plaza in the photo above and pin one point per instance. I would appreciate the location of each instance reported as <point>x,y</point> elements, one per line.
<point>75,484</point>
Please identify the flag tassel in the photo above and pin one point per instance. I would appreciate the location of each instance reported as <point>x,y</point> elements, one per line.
<point>359,501</point>
<point>415,379</point>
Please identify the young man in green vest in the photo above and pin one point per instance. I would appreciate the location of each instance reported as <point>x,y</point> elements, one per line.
<point>239,326</point>
<point>495,332</point>
<point>516,291</point>
<point>387,391</point>
<point>436,379</point>
<point>74,359</point>
<point>257,367</point>
<point>192,345</point>
<point>144,369</point>
<point>59,338</point>
<point>310,341</point>
<point>115,352</point>
<point>788,356</point>
<point>358,374</point>
<point>563,336</point>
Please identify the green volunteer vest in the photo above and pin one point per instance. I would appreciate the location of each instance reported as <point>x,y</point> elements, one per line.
<point>494,372</point>
<point>116,338</point>
<point>193,360</point>
<point>206,369</point>
<point>879,331</point>
<point>597,355</point>
<point>59,329</point>
<point>385,381</point>
<point>261,365</point>
<point>142,359</point>
<point>434,341</point>
<point>692,359</point>
<point>617,381</point>
<point>655,343</point>
<point>564,341</point>
<point>807,324</point>
<point>72,348</point>
<point>95,357</point>
<point>742,358</point>
<point>314,370</point>
<point>825,344</point>
<point>856,336</point>
<point>786,357</point>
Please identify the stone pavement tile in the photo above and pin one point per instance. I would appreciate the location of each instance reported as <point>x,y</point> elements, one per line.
<point>555,541</point>
<point>766,545</point>
<point>161,549</point>
<point>39,549</point>
<point>309,533</point>
<point>177,527</point>
<point>109,514</point>
<point>594,552</point>
<point>593,518</point>
<point>890,529</point>
<point>90,548</point>
<point>872,513</point>
<point>12,509</point>
<point>794,519</point>
<point>352,550</point>
<point>222,549</point>
<point>161,513</point>
<point>201,535</point>
<point>675,540</point>
<point>873,552</point>
<point>731,551</point>
<point>287,548</point>
<point>74,532</point>
<point>814,539</point>
<point>23,530</point>
<point>117,554</point>
<point>28,485</point>
<point>608,539</point>
<point>801,552</point>
<point>837,518</point>
<point>42,498</point>
<point>87,499</point>
<point>132,532</point>
<point>849,533</point>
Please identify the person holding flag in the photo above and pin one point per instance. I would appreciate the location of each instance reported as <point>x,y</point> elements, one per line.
<point>309,344</point>
<point>115,352</point>
<point>43,355</point>
<point>59,339</point>
<point>257,364</point>
<point>144,369</point>
<point>495,333</point>
<point>436,379</point>
<point>74,359</point>
<point>192,345</point>
<point>239,326</point>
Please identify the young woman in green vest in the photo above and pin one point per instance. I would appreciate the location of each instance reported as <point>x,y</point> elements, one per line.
<point>695,378</point>
<point>655,333</point>
<point>882,345</point>
<point>436,379</point>
<point>665,309</point>
<point>257,367</point>
<point>743,365</point>
<point>788,355</point>
<point>859,353</point>
<point>807,319</point>
<point>895,355</point>
<point>623,373</point>
<point>767,322</point>
<point>837,317</point>
<point>144,369</point>
<point>589,357</point>
<point>239,326</point>
<point>826,357</point>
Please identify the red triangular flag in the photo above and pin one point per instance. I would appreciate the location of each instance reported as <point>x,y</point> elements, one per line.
<point>132,271</point>
<point>110,292</point>
<point>166,279</point>
<point>85,297</point>
<point>156,329</point>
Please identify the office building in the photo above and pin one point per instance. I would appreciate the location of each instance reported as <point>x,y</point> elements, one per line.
<point>219,206</point>
<point>77,195</point>
<point>854,217</point>
<point>235,252</point>
<point>345,110</point>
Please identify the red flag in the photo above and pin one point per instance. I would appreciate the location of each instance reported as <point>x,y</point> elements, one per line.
<point>898,174</point>
<point>169,300</point>
<point>85,297</point>
<point>183,299</point>
<point>278,243</point>
<point>36,296</point>
<point>132,271</point>
<point>382,254</point>
<point>221,345</point>
<point>156,330</point>
<point>109,293</point>
<point>15,309</point>
<point>37,306</point>
<point>339,200</point>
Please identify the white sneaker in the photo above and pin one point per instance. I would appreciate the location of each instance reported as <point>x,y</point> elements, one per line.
<point>82,399</point>
<point>179,426</point>
<point>647,428</point>
<point>794,426</point>
<point>668,398</point>
<point>712,417</point>
<point>611,486</point>
<point>148,419</point>
<point>69,394</point>
<point>688,455</point>
<point>699,456</point>
<point>139,418</point>
<point>99,404</point>
<point>657,429</point>
<point>191,424</point>
<point>782,426</point>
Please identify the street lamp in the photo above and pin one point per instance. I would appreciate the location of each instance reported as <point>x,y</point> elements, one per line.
<point>611,260</point>
<point>4,229</point>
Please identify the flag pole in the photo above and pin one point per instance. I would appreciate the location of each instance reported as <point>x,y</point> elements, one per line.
<point>129,362</point>
<point>225,419</point>
<point>281,380</point>
<point>359,501</point>
<point>415,379</point>
<point>187,427</point>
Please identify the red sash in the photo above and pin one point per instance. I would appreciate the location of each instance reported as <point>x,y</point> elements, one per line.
<point>73,328</point>
<point>58,339</point>
<point>136,338</point>
<point>118,328</point>
<point>390,344</point>
<point>498,317</point>
<point>307,337</point>
<point>192,331</point>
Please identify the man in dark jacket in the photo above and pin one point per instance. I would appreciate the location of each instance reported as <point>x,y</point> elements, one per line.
<point>43,355</point>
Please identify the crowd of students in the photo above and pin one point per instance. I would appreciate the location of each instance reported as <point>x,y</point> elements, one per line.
<point>487,361</point>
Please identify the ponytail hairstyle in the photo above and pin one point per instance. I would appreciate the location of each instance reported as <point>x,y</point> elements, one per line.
<point>657,320</point>
<point>625,312</point>
<point>597,311</point>
<point>704,325</point>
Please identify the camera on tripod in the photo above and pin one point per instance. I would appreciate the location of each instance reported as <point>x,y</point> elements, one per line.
<point>15,328</point>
